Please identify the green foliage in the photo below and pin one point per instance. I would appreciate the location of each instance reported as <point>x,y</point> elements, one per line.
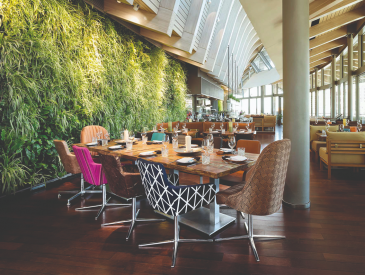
<point>64,66</point>
<point>234,98</point>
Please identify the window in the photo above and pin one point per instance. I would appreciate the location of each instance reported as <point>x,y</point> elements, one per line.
<point>280,88</point>
<point>268,90</point>
<point>258,107</point>
<point>267,105</point>
<point>276,104</point>
<point>319,78</point>
<point>363,50</point>
<point>355,64</point>
<point>245,92</point>
<point>362,96</point>
<point>338,71</point>
<point>354,93</point>
<point>340,99</point>
<point>327,102</point>
<point>253,106</point>
<point>336,100</point>
<point>345,62</point>
<point>345,106</point>
<point>244,104</point>
<point>313,103</point>
<point>254,92</point>
<point>320,103</point>
<point>327,74</point>
<point>310,105</point>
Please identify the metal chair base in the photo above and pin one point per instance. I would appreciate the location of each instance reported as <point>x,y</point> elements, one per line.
<point>103,205</point>
<point>134,220</point>
<point>250,236</point>
<point>175,241</point>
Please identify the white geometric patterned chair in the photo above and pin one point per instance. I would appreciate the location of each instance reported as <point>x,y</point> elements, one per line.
<point>172,200</point>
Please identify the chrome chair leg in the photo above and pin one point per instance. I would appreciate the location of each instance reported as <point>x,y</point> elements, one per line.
<point>103,205</point>
<point>251,237</point>
<point>134,219</point>
<point>175,241</point>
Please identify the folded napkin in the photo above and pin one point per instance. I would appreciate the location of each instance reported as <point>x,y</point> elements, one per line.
<point>186,160</point>
<point>92,143</point>
<point>157,141</point>
<point>226,149</point>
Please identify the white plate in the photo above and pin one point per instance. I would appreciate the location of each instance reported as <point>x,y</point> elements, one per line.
<point>92,143</point>
<point>186,160</point>
<point>115,147</point>
<point>183,151</point>
<point>226,150</point>
<point>149,153</point>
<point>157,141</point>
<point>237,158</point>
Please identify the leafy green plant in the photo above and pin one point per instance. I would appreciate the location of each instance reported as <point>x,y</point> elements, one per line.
<point>231,96</point>
<point>64,66</point>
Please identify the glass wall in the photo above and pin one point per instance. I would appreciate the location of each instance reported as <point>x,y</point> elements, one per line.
<point>327,77</point>
<point>327,103</point>
<point>340,99</point>
<point>320,103</point>
<point>244,106</point>
<point>345,63</point>
<point>313,103</point>
<point>345,98</point>
<point>362,96</point>
<point>267,105</point>
<point>319,78</point>
<point>338,67</point>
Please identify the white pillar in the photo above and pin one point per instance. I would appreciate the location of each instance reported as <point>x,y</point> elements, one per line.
<point>316,92</point>
<point>350,93</point>
<point>333,89</point>
<point>296,101</point>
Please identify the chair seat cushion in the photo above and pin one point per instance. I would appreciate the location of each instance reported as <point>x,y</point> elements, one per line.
<point>232,179</point>
<point>341,158</point>
<point>222,196</point>
<point>316,144</point>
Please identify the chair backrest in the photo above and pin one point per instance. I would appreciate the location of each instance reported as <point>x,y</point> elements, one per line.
<point>123,180</point>
<point>158,136</point>
<point>88,132</point>
<point>68,160</point>
<point>218,142</point>
<point>251,146</point>
<point>160,192</point>
<point>170,199</point>
<point>93,172</point>
<point>264,188</point>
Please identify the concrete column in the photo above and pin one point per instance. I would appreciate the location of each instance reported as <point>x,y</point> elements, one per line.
<point>350,92</point>
<point>316,92</point>
<point>263,88</point>
<point>296,101</point>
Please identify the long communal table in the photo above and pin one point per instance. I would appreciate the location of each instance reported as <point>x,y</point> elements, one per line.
<point>207,220</point>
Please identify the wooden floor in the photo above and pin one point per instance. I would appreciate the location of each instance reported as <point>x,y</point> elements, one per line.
<point>40,235</point>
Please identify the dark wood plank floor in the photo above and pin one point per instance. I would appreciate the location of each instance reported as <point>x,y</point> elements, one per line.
<point>40,235</point>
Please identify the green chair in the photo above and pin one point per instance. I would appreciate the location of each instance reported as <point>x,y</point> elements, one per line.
<point>158,136</point>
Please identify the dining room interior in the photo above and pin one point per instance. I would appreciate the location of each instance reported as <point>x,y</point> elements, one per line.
<point>150,137</point>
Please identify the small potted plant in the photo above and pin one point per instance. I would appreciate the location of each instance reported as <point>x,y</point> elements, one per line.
<point>280,117</point>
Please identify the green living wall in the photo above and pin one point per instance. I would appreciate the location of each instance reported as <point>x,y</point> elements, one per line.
<point>64,66</point>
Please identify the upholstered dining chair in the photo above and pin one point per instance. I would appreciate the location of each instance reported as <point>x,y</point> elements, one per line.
<point>88,132</point>
<point>262,193</point>
<point>125,181</point>
<point>251,146</point>
<point>158,136</point>
<point>93,174</point>
<point>71,166</point>
<point>172,200</point>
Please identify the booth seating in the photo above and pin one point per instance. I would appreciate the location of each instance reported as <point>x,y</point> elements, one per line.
<point>269,121</point>
<point>315,144</point>
<point>259,122</point>
<point>343,150</point>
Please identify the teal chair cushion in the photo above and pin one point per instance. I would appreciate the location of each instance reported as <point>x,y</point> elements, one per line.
<point>158,136</point>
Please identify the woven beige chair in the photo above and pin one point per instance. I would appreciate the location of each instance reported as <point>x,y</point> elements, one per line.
<point>262,193</point>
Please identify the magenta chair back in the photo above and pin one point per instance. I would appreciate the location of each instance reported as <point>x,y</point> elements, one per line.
<point>93,172</point>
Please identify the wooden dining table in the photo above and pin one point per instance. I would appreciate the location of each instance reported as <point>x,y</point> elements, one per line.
<point>207,220</point>
<point>227,133</point>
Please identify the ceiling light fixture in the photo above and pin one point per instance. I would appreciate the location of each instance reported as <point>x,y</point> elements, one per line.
<point>136,7</point>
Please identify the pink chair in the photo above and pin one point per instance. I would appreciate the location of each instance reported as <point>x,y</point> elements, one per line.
<point>93,174</point>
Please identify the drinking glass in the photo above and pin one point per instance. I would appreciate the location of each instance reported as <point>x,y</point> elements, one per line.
<point>232,142</point>
<point>247,126</point>
<point>177,125</point>
<point>316,120</point>
<point>122,135</point>
<point>131,135</point>
<point>341,127</point>
<point>166,140</point>
<point>222,126</point>
<point>129,144</point>
<point>184,125</point>
<point>99,134</point>
<point>94,139</point>
<point>241,151</point>
<point>210,130</point>
<point>104,142</point>
<point>205,158</point>
<point>211,148</point>
<point>205,143</point>
<point>359,127</point>
<point>154,128</point>
<point>213,126</point>
<point>165,152</point>
<point>223,131</point>
<point>144,139</point>
<point>175,144</point>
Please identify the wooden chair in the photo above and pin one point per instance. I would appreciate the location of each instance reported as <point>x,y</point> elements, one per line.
<point>347,148</point>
